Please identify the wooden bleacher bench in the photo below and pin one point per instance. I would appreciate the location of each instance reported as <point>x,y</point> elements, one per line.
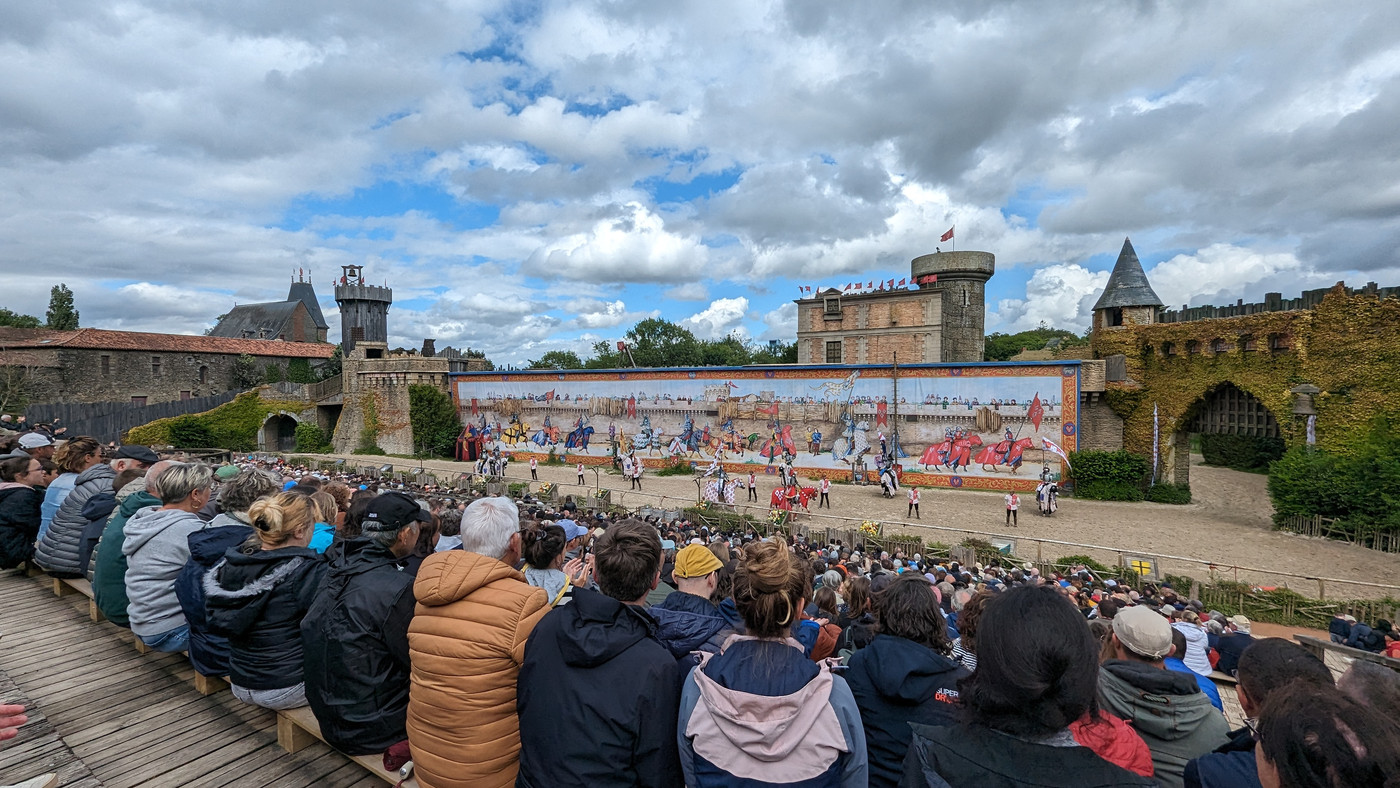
<point>204,685</point>
<point>1320,647</point>
<point>296,728</point>
<point>1222,678</point>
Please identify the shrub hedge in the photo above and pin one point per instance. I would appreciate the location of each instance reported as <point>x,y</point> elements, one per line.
<point>1108,475</point>
<point>1241,452</point>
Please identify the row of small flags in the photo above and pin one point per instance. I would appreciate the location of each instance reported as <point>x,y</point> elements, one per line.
<point>880,285</point>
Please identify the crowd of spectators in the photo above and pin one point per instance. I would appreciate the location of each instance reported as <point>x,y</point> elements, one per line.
<point>500,642</point>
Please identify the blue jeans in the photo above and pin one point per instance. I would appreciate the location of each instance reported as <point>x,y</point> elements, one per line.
<point>175,640</point>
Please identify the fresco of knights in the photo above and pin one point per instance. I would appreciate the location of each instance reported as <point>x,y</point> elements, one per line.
<point>948,425</point>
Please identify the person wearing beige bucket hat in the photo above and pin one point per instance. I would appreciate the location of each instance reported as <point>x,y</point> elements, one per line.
<point>1168,709</point>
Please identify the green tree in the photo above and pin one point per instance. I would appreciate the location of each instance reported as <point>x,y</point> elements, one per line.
<point>605,356</point>
<point>332,366</point>
<point>784,353</point>
<point>299,371</point>
<point>61,315</point>
<point>434,420</point>
<point>1001,347</point>
<point>557,359</point>
<point>732,351</point>
<point>10,319</point>
<point>245,372</point>
<point>274,374</point>
<point>661,343</point>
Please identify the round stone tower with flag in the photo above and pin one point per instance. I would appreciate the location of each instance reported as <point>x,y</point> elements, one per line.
<point>960,278</point>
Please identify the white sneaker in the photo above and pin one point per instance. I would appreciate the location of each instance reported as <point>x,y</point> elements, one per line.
<point>42,781</point>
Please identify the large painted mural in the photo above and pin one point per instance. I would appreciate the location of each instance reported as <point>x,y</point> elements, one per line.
<point>973,426</point>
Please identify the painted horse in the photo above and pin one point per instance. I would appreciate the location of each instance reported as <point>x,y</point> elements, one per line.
<point>1006,452</point>
<point>548,436</point>
<point>579,437</point>
<point>516,432</point>
<point>779,444</point>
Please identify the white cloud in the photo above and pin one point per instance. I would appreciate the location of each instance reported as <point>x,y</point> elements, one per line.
<point>690,291</point>
<point>1221,273</point>
<point>1061,296</point>
<point>630,245</point>
<point>781,324</point>
<point>721,318</point>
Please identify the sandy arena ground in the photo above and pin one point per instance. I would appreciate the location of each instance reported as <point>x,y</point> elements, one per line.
<point>1228,523</point>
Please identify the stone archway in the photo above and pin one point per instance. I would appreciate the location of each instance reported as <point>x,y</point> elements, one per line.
<point>279,433</point>
<point>1224,409</point>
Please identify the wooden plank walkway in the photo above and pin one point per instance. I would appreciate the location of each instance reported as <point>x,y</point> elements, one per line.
<point>107,715</point>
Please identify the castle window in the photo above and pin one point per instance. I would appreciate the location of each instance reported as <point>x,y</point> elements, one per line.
<point>831,307</point>
<point>1193,347</point>
<point>203,374</point>
<point>155,366</point>
<point>106,365</point>
<point>184,395</point>
<point>1217,345</point>
<point>1168,349</point>
<point>138,401</point>
<point>833,352</point>
<point>1278,342</point>
<point>1248,344</point>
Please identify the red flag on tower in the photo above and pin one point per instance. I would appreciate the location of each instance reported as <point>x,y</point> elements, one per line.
<point>870,285</point>
<point>1036,412</point>
<point>901,283</point>
<point>848,286</point>
<point>891,284</point>
<point>948,236</point>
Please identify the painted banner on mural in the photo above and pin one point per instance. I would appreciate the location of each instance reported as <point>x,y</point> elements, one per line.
<point>978,426</point>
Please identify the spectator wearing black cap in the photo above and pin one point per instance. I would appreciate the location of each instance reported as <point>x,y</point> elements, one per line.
<point>356,633</point>
<point>1166,708</point>
<point>60,548</point>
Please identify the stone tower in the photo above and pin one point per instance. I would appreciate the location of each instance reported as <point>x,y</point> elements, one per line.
<point>1128,298</point>
<point>961,280</point>
<point>364,309</point>
<point>302,291</point>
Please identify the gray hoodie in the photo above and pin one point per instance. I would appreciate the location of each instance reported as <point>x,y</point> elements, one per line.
<point>156,547</point>
<point>1169,711</point>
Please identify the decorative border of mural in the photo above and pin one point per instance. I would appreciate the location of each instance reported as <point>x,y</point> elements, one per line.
<point>1069,373</point>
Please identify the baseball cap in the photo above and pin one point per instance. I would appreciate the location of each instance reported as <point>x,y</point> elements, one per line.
<point>668,544</point>
<point>1143,632</point>
<point>138,453</point>
<point>391,511</point>
<point>572,530</point>
<point>34,440</point>
<point>695,561</point>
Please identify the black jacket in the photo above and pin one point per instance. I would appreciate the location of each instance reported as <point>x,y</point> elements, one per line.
<point>1231,647</point>
<point>973,756</point>
<point>897,682</point>
<point>257,599</point>
<point>597,700</point>
<point>356,642</point>
<point>208,652</point>
<point>19,524</point>
<point>687,623</point>
<point>96,511</point>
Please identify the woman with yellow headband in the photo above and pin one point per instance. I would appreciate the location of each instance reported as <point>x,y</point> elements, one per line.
<point>760,710</point>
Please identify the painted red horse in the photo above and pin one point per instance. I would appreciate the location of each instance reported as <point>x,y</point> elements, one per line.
<point>780,442</point>
<point>962,451</point>
<point>1005,452</point>
<point>782,498</point>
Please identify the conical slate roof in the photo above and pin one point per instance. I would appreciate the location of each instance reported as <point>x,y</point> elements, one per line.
<point>1127,285</point>
<point>303,292</point>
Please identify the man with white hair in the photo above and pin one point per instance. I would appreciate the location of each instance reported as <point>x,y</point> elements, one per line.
<point>467,642</point>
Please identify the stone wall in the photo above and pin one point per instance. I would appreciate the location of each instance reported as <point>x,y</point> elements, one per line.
<point>97,375</point>
<point>1100,429</point>
<point>376,401</point>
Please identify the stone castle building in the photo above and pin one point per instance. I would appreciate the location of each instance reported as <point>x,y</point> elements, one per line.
<point>297,319</point>
<point>95,365</point>
<point>940,320</point>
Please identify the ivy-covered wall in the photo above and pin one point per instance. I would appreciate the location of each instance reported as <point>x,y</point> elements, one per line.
<point>1349,346</point>
<point>233,425</point>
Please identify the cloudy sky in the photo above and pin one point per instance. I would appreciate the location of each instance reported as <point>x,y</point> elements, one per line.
<point>537,176</point>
